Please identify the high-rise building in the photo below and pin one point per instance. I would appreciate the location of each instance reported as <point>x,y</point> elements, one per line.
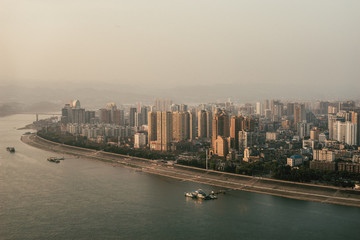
<point>248,124</point>
<point>89,116</point>
<point>258,108</point>
<point>204,124</point>
<point>144,115</point>
<point>183,108</point>
<point>179,126</point>
<point>323,107</point>
<point>299,113</point>
<point>290,107</point>
<point>111,107</point>
<point>104,115</point>
<point>314,134</point>
<point>132,113</point>
<point>152,126</point>
<point>266,105</point>
<point>332,110</point>
<point>237,124</point>
<point>188,127</point>
<point>192,125</point>
<point>65,113</point>
<point>164,131</point>
<point>208,124</point>
<point>162,104</point>
<point>277,109</point>
<point>174,108</point>
<point>347,106</point>
<point>78,115</point>
<point>355,118</point>
<point>138,120</point>
<point>246,139</point>
<point>303,129</point>
<point>221,126</point>
<point>267,114</point>
<point>341,131</point>
<point>73,113</point>
<point>351,133</point>
<point>331,123</point>
<point>119,117</point>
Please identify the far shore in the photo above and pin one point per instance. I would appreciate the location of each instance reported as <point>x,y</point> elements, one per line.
<point>294,190</point>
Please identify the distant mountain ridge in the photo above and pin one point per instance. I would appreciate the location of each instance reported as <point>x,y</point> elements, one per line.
<point>49,96</point>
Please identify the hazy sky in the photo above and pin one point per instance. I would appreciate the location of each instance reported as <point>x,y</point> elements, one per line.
<point>181,42</point>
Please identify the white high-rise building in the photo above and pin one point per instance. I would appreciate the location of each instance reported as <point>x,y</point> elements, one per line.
<point>341,131</point>
<point>258,108</point>
<point>303,129</point>
<point>351,133</point>
<point>331,125</point>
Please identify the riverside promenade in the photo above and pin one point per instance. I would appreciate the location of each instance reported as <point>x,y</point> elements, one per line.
<point>301,191</point>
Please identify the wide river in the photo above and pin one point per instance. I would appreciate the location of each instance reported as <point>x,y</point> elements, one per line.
<point>87,199</point>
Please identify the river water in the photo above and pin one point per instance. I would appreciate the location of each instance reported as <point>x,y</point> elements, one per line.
<point>86,199</point>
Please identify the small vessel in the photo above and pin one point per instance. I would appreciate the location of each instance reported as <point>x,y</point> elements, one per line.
<point>189,195</point>
<point>212,195</point>
<point>200,194</point>
<point>53,159</point>
<point>10,149</point>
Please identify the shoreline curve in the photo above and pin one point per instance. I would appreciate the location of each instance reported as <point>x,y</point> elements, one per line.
<point>280,188</point>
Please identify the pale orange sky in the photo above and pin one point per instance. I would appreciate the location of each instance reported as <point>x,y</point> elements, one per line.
<point>180,42</point>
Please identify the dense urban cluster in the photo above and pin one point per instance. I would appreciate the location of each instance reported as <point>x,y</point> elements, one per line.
<point>289,140</point>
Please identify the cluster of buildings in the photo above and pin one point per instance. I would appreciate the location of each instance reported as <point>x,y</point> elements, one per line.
<point>271,130</point>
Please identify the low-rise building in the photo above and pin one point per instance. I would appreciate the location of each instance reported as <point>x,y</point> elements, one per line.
<point>140,140</point>
<point>294,160</point>
<point>323,165</point>
<point>349,167</point>
<point>272,136</point>
<point>324,155</point>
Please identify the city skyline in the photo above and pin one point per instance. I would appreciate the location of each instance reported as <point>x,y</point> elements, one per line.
<point>137,119</point>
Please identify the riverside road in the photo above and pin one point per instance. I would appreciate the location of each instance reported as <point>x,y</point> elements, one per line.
<point>310,192</point>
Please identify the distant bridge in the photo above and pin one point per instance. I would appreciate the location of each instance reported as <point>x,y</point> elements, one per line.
<point>46,114</point>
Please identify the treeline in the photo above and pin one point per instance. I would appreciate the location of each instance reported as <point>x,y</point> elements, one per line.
<point>304,174</point>
<point>79,141</point>
<point>272,169</point>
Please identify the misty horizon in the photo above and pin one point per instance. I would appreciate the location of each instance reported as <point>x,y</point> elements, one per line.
<point>191,52</point>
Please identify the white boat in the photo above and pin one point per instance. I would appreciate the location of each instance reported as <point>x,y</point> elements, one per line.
<point>189,195</point>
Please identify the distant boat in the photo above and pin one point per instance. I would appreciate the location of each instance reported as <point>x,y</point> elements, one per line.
<point>53,159</point>
<point>10,149</point>
<point>200,194</point>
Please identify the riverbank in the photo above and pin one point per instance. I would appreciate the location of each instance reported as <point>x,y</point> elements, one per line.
<point>309,192</point>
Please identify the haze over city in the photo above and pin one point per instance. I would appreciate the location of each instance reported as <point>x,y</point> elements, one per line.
<point>206,119</point>
<point>192,51</point>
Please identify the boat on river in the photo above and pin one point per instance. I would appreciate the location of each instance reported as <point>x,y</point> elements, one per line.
<point>200,194</point>
<point>55,159</point>
<point>10,149</point>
